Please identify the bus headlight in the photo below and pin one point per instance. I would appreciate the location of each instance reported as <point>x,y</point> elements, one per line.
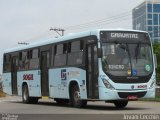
<point>152,85</point>
<point>107,84</point>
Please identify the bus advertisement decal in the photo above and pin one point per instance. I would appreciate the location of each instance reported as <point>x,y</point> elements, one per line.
<point>147,67</point>
<point>28,77</point>
<point>134,72</point>
<point>63,74</point>
<point>72,74</point>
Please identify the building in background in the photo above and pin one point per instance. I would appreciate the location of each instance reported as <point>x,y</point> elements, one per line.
<point>146,17</point>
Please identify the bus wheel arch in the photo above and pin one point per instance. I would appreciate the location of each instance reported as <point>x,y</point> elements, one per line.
<point>74,93</point>
<point>25,95</point>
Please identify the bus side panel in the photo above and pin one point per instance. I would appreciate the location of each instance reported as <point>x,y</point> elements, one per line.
<point>7,88</point>
<point>32,77</point>
<point>55,85</point>
<point>151,92</point>
<point>59,80</point>
<point>104,93</point>
<point>79,75</point>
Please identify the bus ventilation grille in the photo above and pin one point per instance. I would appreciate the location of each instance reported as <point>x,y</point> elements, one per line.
<point>126,94</point>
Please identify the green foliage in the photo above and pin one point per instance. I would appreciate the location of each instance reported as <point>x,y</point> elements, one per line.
<point>156,49</point>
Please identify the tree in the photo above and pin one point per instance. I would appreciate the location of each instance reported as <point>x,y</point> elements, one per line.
<point>156,49</point>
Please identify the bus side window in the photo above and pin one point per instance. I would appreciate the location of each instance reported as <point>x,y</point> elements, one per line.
<point>59,49</point>
<point>75,57</point>
<point>69,47</point>
<point>55,49</point>
<point>52,55</point>
<point>60,55</point>
<point>34,59</point>
<point>75,46</point>
<point>23,60</point>
<point>35,53</point>
<point>20,66</point>
<point>20,56</point>
<point>30,54</point>
<point>64,48</point>
<point>7,63</point>
<point>81,45</point>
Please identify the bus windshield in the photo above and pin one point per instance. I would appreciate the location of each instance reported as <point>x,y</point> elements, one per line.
<point>127,59</point>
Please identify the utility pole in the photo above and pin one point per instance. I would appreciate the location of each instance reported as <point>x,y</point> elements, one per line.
<point>23,43</point>
<point>57,30</point>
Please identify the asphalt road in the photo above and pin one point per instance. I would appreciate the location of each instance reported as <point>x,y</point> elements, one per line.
<point>48,109</point>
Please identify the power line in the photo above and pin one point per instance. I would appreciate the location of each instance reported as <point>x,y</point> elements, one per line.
<point>100,21</point>
<point>104,21</point>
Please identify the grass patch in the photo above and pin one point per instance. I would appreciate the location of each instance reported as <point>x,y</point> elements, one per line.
<point>2,94</point>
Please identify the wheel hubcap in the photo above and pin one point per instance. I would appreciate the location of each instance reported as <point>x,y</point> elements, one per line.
<point>77,96</point>
<point>25,94</point>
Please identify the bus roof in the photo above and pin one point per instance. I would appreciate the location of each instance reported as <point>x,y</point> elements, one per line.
<point>63,38</point>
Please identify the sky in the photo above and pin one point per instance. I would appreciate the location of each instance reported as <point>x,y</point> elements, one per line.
<point>30,20</point>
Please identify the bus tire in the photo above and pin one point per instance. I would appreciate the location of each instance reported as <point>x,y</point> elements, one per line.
<point>34,100</point>
<point>120,103</point>
<point>25,95</point>
<point>75,97</point>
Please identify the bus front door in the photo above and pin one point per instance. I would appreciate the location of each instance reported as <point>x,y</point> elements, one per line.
<point>44,73</point>
<point>14,75</point>
<point>92,72</point>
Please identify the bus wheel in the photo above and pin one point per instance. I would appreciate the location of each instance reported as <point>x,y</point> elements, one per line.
<point>75,97</point>
<point>25,94</point>
<point>34,100</point>
<point>120,103</point>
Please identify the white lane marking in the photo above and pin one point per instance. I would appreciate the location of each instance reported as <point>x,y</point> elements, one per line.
<point>2,101</point>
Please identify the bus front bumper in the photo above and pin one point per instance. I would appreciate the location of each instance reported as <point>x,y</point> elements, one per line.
<point>113,94</point>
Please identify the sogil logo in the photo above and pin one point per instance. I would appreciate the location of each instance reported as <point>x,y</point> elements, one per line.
<point>28,77</point>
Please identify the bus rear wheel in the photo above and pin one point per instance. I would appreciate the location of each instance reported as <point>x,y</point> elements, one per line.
<point>25,96</point>
<point>120,103</point>
<point>75,97</point>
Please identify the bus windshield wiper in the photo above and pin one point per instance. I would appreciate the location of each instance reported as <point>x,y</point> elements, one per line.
<point>136,51</point>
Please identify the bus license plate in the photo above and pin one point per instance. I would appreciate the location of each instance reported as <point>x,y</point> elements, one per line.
<point>132,98</point>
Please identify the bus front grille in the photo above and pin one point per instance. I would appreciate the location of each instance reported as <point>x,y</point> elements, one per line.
<point>126,94</point>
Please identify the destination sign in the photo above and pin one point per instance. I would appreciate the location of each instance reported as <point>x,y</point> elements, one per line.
<point>124,35</point>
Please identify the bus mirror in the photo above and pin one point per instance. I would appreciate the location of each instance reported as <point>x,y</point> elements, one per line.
<point>100,52</point>
<point>155,60</point>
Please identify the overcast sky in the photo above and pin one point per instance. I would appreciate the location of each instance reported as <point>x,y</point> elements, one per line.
<point>30,20</point>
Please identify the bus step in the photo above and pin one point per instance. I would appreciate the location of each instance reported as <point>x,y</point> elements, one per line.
<point>45,97</point>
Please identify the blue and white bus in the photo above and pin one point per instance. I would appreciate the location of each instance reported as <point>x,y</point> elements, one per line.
<point>108,65</point>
